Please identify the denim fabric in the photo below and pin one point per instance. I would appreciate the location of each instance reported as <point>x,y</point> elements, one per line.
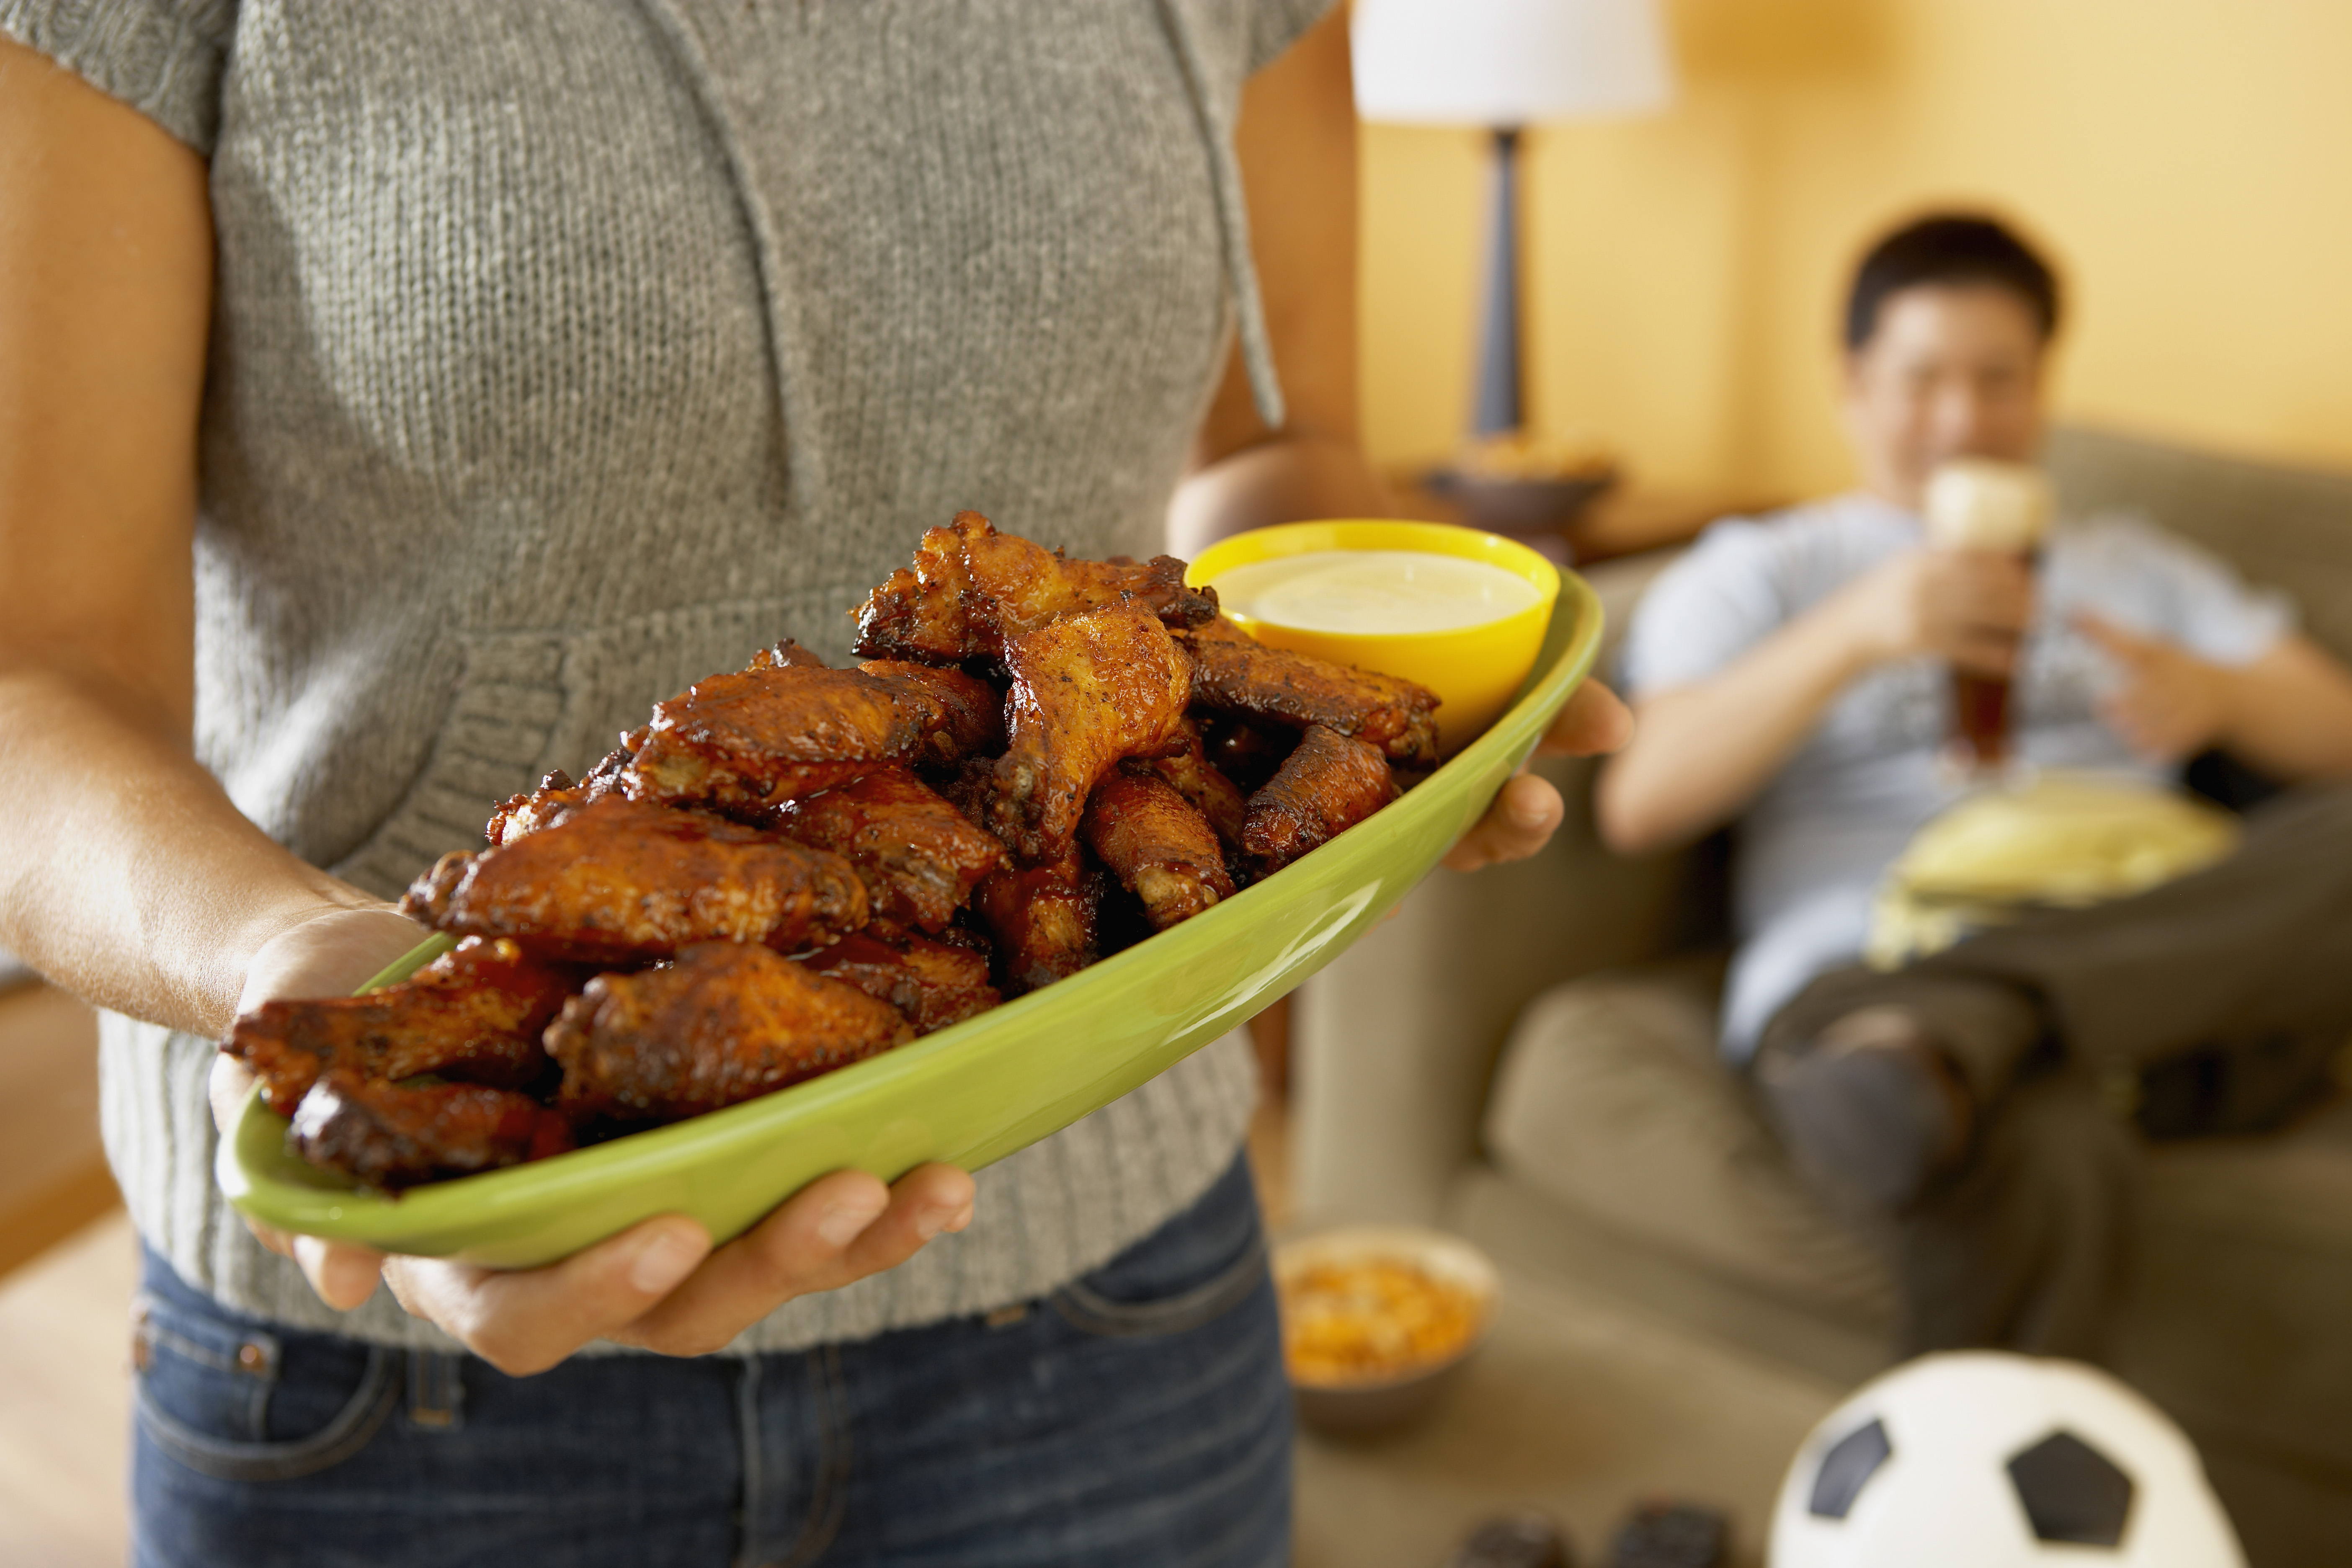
<point>1137,1416</point>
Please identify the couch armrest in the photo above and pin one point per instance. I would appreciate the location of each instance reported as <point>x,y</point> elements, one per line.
<point>1395,1042</point>
<point>1397,1039</point>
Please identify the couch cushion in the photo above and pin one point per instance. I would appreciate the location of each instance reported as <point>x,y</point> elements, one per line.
<point>2239,1313</point>
<point>2281,527</point>
<point>1611,1100</point>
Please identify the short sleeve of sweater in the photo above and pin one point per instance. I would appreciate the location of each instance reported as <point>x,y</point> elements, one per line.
<point>162,57</point>
<point>1729,592</point>
<point>1275,25</point>
<point>2157,584</point>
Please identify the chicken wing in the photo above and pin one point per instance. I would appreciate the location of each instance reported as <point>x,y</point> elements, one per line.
<point>748,742</point>
<point>974,725</point>
<point>474,1014</point>
<point>1329,785</point>
<point>932,982</point>
<point>623,880</point>
<point>725,1024</point>
<point>1232,672</point>
<point>1045,918</point>
<point>972,587</point>
<point>1215,796</point>
<point>1088,692</point>
<point>556,793</point>
<point>393,1135</point>
<point>918,855</point>
<point>786,655</point>
<point>1149,837</point>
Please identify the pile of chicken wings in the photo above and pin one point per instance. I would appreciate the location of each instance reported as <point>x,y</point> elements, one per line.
<point>790,868</point>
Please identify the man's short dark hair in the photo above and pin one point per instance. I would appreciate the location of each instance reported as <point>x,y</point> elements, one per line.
<point>1952,250</point>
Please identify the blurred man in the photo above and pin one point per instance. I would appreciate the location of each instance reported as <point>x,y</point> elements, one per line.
<point>1790,674</point>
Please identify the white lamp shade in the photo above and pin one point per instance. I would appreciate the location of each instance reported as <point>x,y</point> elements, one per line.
<point>1508,62</point>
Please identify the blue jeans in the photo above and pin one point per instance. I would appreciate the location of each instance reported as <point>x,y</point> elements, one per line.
<point>1137,1416</point>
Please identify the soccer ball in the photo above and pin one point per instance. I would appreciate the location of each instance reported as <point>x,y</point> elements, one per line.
<point>1980,1460</point>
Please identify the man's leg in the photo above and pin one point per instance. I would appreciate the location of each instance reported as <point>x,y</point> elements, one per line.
<point>1892,1091</point>
<point>2022,1247</point>
<point>2004,1227</point>
<point>2254,948</point>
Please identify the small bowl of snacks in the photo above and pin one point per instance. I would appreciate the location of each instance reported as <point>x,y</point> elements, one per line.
<point>1458,611</point>
<point>1378,1322</point>
<point>1518,482</point>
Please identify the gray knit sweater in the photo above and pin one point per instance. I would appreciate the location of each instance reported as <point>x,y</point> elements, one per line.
<point>565,351</point>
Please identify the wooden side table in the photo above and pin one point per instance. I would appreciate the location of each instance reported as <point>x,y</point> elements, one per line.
<point>1626,520</point>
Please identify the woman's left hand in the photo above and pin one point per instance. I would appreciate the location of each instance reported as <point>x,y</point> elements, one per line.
<point>1526,809</point>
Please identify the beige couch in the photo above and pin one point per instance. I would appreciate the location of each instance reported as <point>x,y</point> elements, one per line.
<point>1526,1055</point>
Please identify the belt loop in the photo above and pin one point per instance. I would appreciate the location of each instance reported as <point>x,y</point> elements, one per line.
<point>436,1390</point>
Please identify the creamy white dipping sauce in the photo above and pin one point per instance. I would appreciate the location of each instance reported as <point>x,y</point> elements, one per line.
<point>1374,591</point>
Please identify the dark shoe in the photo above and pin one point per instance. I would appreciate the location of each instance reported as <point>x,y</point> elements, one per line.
<point>1872,1110</point>
<point>1671,1535</point>
<point>1514,1540</point>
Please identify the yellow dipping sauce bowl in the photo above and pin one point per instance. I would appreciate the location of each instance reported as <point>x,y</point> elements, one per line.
<point>1473,669</point>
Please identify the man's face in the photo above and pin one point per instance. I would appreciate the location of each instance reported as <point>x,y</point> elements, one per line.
<point>1950,372</point>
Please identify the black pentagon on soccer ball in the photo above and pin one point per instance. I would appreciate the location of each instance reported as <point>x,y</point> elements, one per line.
<point>2071,1492</point>
<point>1851,1460</point>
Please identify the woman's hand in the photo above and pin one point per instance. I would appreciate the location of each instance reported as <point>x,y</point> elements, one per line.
<point>659,1285</point>
<point>1527,810</point>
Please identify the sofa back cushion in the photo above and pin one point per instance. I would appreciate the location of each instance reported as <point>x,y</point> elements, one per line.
<point>2284,528</point>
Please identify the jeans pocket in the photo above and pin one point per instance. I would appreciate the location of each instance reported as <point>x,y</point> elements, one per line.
<point>1196,1268</point>
<point>207,1385</point>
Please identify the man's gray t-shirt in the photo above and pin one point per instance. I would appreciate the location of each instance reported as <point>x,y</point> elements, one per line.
<point>1814,845</point>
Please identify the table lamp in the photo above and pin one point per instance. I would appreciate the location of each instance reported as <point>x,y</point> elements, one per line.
<point>1507,65</point>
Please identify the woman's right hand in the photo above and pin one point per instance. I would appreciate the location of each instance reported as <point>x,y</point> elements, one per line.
<point>659,1285</point>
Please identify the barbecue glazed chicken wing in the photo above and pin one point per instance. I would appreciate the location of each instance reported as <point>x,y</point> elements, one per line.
<point>622,880</point>
<point>521,813</point>
<point>973,725</point>
<point>393,1135</point>
<point>745,743</point>
<point>1186,766</point>
<point>1088,692</point>
<point>1329,785</point>
<point>1149,837</point>
<point>785,656</point>
<point>724,1024</point>
<point>972,587</point>
<point>1239,675</point>
<point>473,1014</point>
<point>1045,920</point>
<point>932,982</point>
<point>918,855</point>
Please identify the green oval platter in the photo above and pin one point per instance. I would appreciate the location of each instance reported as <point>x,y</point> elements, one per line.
<point>970,1094</point>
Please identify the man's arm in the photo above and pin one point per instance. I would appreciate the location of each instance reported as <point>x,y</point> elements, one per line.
<point>1702,752</point>
<point>2287,715</point>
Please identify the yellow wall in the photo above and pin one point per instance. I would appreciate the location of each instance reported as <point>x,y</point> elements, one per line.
<point>2188,163</point>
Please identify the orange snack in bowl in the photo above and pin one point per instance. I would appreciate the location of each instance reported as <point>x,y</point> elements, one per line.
<point>1371,1321</point>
